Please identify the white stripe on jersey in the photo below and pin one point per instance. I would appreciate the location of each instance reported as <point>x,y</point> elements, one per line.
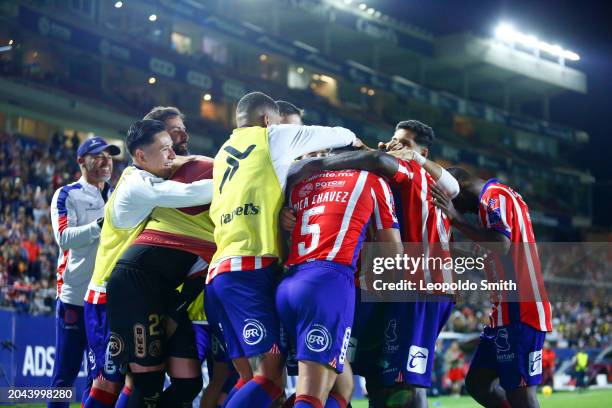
<point>348,213</point>
<point>388,197</point>
<point>96,297</point>
<point>530,267</point>
<point>235,264</point>
<point>424,234</point>
<point>258,262</point>
<point>376,211</point>
<point>444,243</point>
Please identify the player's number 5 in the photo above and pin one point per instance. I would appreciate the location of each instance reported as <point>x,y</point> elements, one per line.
<point>310,229</point>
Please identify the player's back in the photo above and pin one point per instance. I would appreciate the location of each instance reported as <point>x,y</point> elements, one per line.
<point>333,209</point>
<point>424,227</point>
<point>502,209</point>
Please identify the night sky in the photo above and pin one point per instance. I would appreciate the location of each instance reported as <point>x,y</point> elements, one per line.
<point>580,26</point>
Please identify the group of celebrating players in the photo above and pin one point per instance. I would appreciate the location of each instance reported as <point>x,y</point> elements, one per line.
<point>189,265</point>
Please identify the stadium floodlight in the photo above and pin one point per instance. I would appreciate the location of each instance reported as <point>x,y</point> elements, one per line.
<point>153,18</point>
<point>363,6</point>
<point>506,33</point>
<point>11,42</point>
<point>118,4</point>
<point>348,1</point>
<point>207,97</point>
<point>152,80</point>
<point>371,11</point>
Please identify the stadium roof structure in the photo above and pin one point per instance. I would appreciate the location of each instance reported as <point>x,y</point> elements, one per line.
<point>471,67</point>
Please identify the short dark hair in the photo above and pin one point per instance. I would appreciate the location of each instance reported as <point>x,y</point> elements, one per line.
<point>287,108</point>
<point>142,132</point>
<point>424,135</point>
<point>162,113</point>
<point>461,174</point>
<point>253,105</point>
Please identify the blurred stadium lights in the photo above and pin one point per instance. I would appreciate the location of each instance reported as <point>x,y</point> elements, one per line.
<point>6,48</point>
<point>363,6</point>
<point>348,1</point>
<point>153,18</point>
<point>300,70</point>
<point>371,11</point>
<point>207,97</point>
<point>10,42</point>
<point>152,80</point>
<point>118,4</point>
<point>506,33</point>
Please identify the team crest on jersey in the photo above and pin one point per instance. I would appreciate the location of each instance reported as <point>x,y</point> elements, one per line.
<point>305,190</point>
<point>253,332</point>
<point>318,338</point>
<point>115,345</point>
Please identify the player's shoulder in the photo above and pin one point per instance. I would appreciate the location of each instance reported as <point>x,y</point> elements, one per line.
<point>64,191</point>
<point>193,171</point>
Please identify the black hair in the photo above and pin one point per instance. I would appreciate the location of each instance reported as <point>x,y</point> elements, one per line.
<point>287,108</point>
<point>461,174</point>
<point>252,106</point>
<point>424,135</point>
<point>142,133</point>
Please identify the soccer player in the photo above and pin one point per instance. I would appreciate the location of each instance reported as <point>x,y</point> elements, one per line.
<point>249,177</point>
<point>510,349</point>
<point>317,298</point>
<point>141,188</point>
<point>411,328</point>
<point>77,214</point>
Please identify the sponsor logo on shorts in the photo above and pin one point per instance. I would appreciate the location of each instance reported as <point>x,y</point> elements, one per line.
<point>92,360</point>
<point>253,332</point>
<point>535,363</point>
<point>417,359</point>
<point>346,341</point>
<point>115,345</point>
<point>318,338</point>
<point>140,341</point>
<point>391,337</point>
<point>155,348</point>
<point>501,340</point>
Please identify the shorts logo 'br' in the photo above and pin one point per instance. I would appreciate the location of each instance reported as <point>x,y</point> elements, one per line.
<point>115,345</point>
<point>253,332</point>
<point>318,338</point>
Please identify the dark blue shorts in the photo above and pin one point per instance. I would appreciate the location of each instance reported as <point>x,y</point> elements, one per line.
<point>315,303</point>
<point>410,335</point>
<point>365,343</point>
<point>102,348</point>
<point>243,304</point>
<point>514,352</point>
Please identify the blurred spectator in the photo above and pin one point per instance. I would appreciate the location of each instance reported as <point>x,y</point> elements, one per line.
<point>454,360</point>
<point>548,364</point>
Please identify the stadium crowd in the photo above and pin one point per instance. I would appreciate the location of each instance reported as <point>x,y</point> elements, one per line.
<point>29,174</point>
